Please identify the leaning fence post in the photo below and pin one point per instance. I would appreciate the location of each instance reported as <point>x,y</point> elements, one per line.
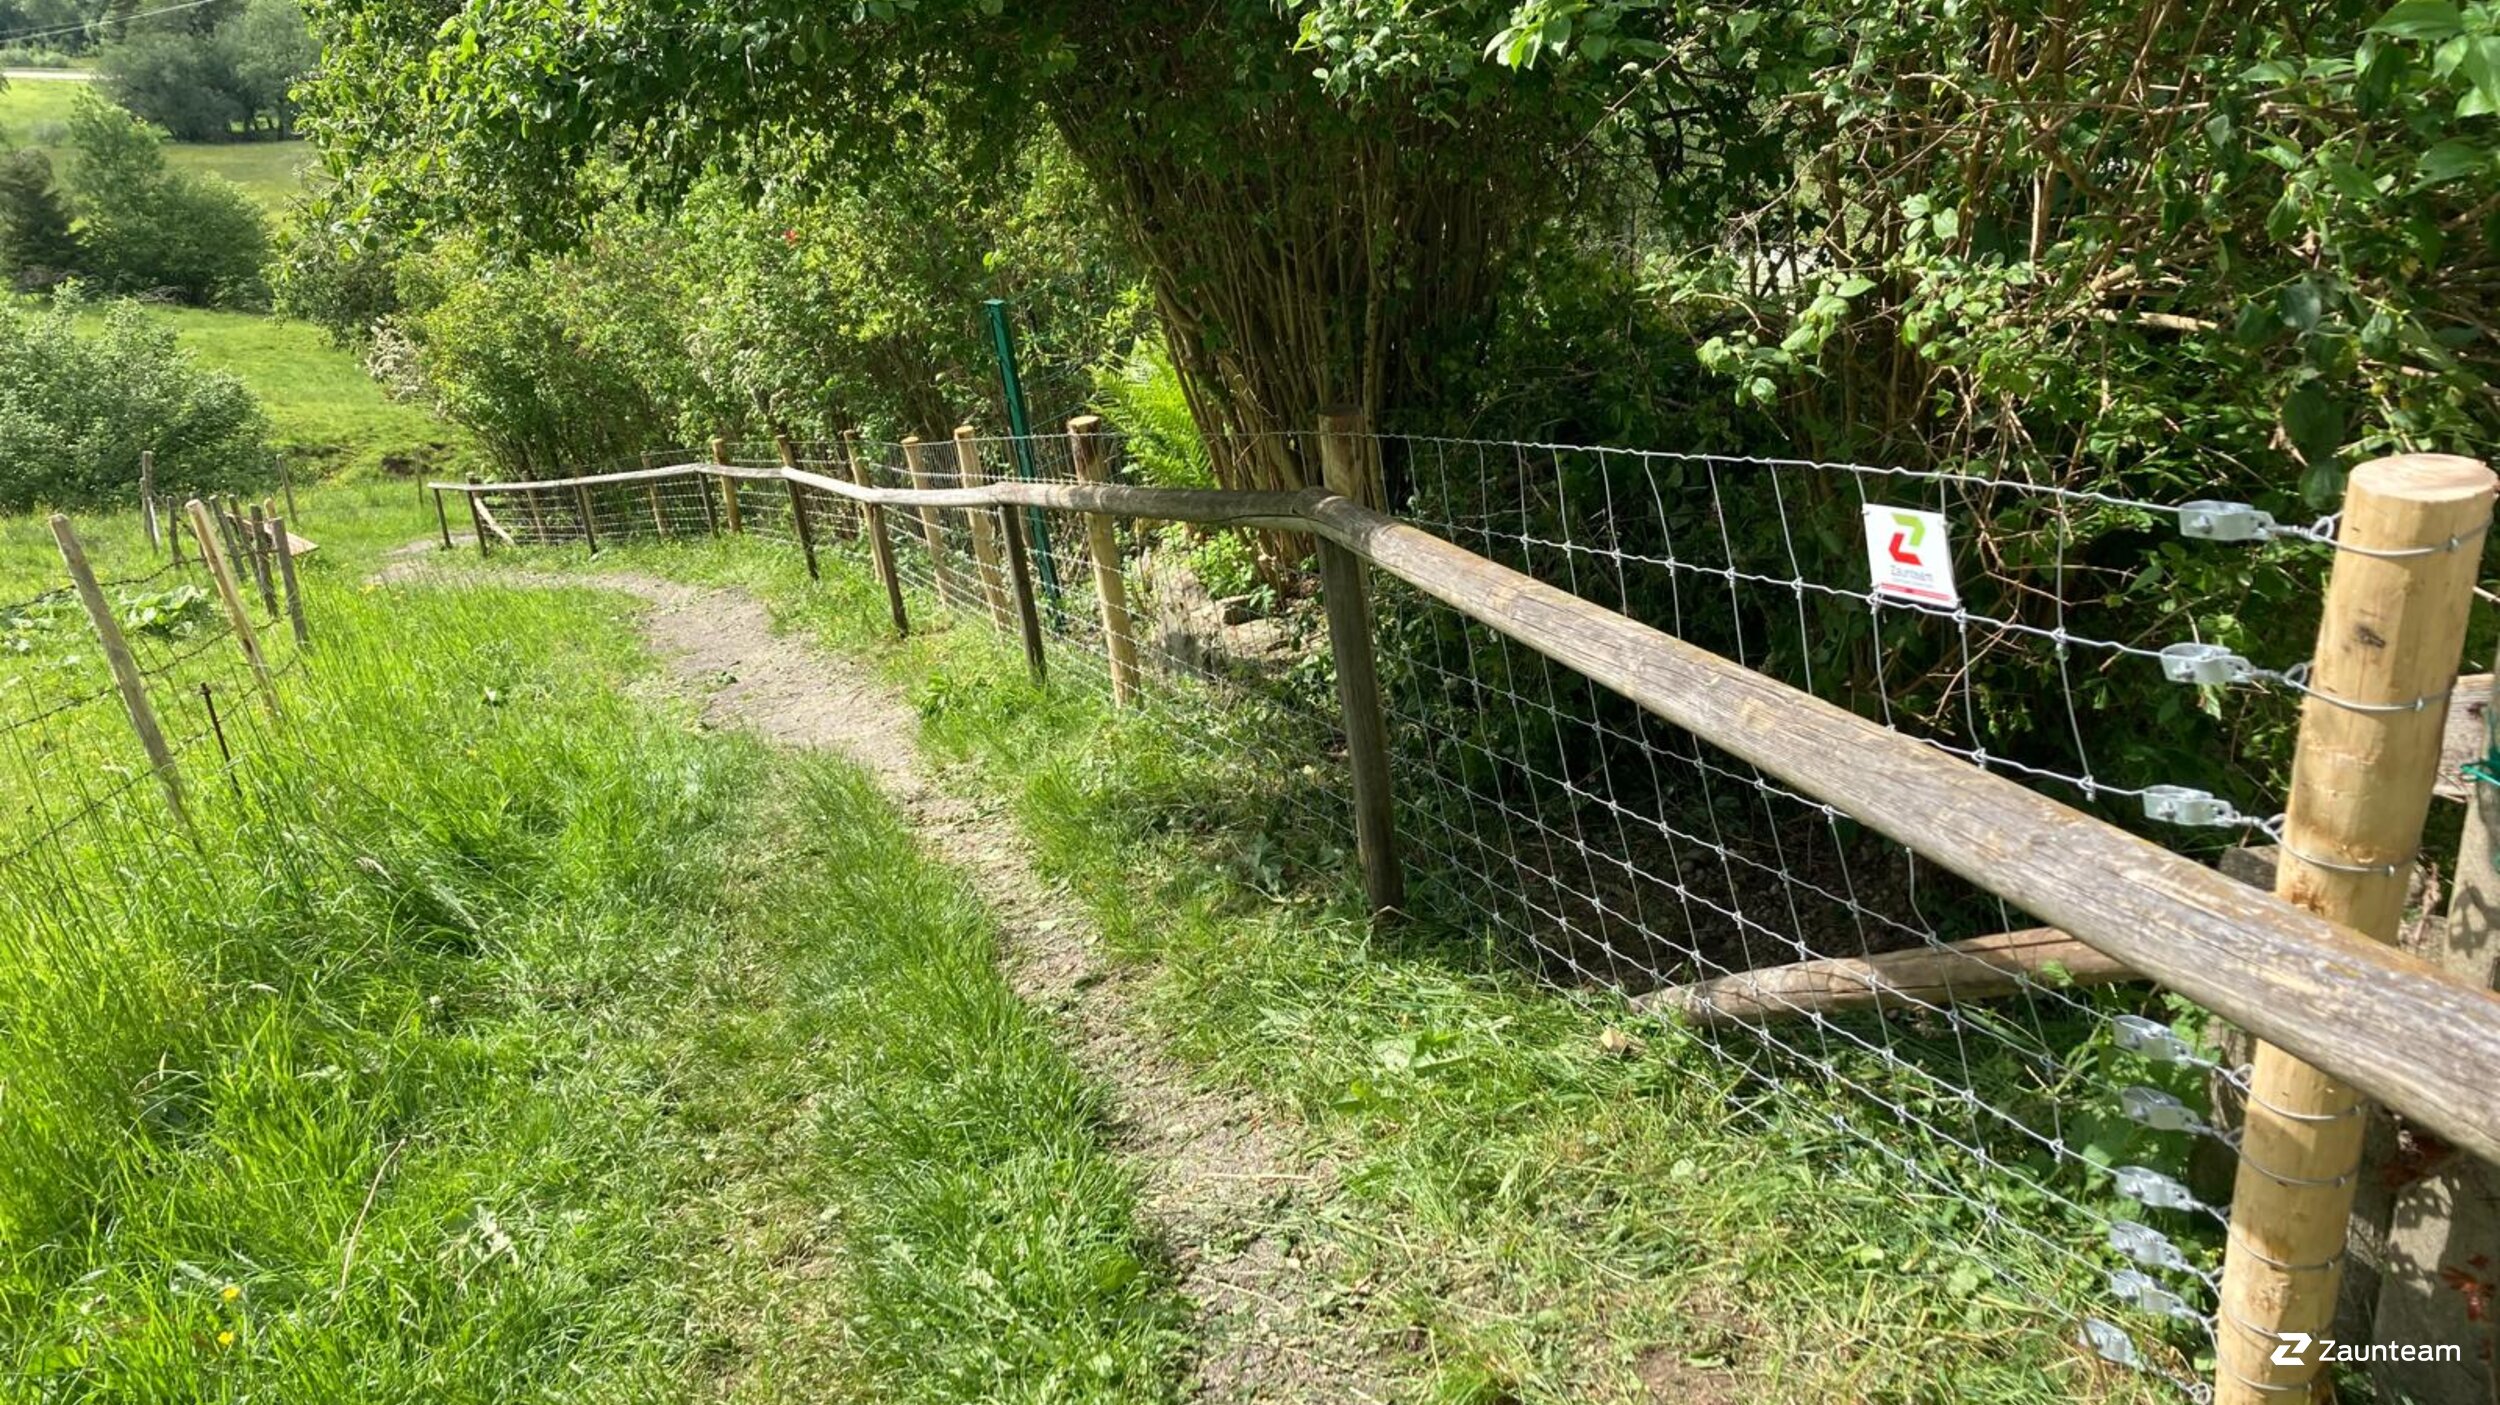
<point>590,530</point>
<point>442,519</point>
<point>286,488</point>
<point>260,559</point>
<point>126,676</point>
<point>1102,541</point>
<point>880,540</point>
<point>728,488</point>
<point>2368,753</point>
<point>285,543</point>
<point>1020,580</point>
<point>477,517</point>
<point>1344,450</point>
<point>221,573</point>
<point>984,526</point>
<point>930,530</point>
<point>799,524</point>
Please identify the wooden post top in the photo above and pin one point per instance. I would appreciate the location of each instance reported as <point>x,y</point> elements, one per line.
<point>2425,478</point>
<point>965,431</point>
<point>1085,424</point>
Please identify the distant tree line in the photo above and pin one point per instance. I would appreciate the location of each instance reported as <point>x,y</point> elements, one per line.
<point>218,73</point>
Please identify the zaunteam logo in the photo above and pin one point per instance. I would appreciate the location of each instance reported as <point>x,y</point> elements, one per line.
<point>2301,1349</point>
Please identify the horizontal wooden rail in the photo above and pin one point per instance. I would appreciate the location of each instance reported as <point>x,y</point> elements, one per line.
<point>2391,1024</point>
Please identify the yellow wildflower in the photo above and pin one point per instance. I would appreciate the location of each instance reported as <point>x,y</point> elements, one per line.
<point>230,1292</point>
<point>225,1338</point>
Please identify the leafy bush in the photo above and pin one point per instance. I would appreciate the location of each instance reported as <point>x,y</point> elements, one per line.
<point>343,286</point>
<point>150,229</point>
<point>77,408</point>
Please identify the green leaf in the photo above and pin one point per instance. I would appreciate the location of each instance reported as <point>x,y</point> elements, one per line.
<point>2301,305</point>
<point>1948,224</point>
<point>2426,20</point>
<point>2315,425</point>
<point>2452,158</point>
<point>1854,285</point>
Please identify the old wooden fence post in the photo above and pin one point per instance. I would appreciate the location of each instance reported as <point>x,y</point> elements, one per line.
<point>261,571</point>
<point>147,500</point>
<point>1102,540</point>
<point>1345,449</point>
<point>442,518</point>
<point>126,676</point>
<point>799,523</point>
<point>477,517</point>
<point>932,530</point>
<point>2368,754</point>
<point>880,539</point>
<point>590,528</point>
<point>286,488</point>
<point>728,488</point>
<point>985,557</point>
<point>1020,580</point>
<point>285,541</point>
<point>221,573</point>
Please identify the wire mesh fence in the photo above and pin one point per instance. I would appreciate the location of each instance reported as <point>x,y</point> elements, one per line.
<point>2065,1130</point>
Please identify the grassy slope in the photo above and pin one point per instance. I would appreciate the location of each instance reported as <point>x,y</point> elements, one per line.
<point>326,411</point>
<point>1525,1216</point>
<point>477,1059</point>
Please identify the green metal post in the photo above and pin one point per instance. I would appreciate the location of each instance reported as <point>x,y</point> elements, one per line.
<point>1019,424</point>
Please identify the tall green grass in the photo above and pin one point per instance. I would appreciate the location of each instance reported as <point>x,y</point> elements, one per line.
<point>502,1034</point>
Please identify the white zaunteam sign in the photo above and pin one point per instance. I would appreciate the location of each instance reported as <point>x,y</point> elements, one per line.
<point>1911,554</point>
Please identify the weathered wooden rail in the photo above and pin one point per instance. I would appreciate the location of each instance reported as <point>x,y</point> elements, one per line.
<point>2340,1012</point>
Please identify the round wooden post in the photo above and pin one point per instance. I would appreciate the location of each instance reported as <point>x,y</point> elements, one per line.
<point>880,540</point>
<point>442,519</point>
<point>1102,540</point>
<point>728,488</point>
<point>286,488</point>
<point>2368,754</point>
<point>1020,579</point>
<point>477,517</point>
<point>590,529</point>
<point>1344,450</point>
<point>799,523</point>
<point>260,559</point>
<point>126,675</point>
<point>221,574</point>
<point>284,541</point>
<point>538,519</point>
<point>985,557</point>
<point>147,499</point>
<point>930,531</point>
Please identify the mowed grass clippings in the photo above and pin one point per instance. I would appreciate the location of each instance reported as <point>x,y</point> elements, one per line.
<point>1529,1208</point>
<point>486,1048</point>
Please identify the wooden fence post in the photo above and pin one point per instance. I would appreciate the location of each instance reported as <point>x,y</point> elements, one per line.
<point>126,675</point>
<point>799,523</point>
<point>590,529</point>
<point>931,532</point>
<point>1020,578</point>
<point>2368,754</point>
<point>286,488</point>
<point>880,540</point>
<point>477,518</point>
<point>260,560</point>
<point>659,516</point>
<point>1345,448</point>
<point>147,499</point>
<point>1102,541</point>
<point>728,488</point>
<point>221,573</point>
<point>538,519</point>
<point>985,557</point>
<point>286,575</point>
<point>442,518</point>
